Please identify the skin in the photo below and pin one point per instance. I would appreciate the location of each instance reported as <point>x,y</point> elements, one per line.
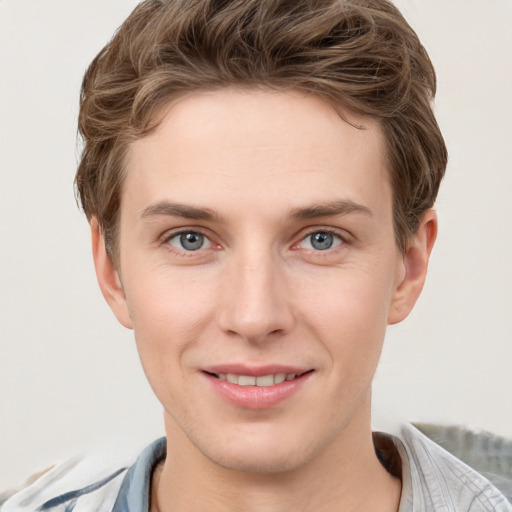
<point>263,165</point>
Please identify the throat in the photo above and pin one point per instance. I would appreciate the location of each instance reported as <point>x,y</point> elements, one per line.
<point>155,483</point>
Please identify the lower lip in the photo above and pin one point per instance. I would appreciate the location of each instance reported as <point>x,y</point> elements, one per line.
<point>257,397</point>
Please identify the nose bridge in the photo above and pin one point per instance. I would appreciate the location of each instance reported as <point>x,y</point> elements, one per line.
<point>256,304</point>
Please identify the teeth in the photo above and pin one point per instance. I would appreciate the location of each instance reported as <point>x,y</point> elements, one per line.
<point>263,381</point>
<point>246,380</point>
<point>232,378</point>
<point>267,380</point>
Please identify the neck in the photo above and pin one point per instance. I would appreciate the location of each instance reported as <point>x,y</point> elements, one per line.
<point>346,476</point>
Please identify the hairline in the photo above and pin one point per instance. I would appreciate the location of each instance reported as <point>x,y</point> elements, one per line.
<point>337,105</point>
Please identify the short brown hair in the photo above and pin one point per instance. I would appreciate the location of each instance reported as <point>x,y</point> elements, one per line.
<point>359,55</point>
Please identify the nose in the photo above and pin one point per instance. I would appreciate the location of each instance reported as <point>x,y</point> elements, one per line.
<point>257,304</point>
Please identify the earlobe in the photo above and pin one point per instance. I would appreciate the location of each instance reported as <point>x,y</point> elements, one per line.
<point>108,277</point>
<point>415,264</point>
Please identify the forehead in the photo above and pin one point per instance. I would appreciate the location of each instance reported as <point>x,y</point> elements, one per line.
<point>287,148</point>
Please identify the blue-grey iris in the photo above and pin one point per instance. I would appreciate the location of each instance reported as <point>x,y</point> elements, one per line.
<point>191,241</point>
<point>321,240</point>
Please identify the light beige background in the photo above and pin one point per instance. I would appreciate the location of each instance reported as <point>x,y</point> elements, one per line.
<point>69,375</point>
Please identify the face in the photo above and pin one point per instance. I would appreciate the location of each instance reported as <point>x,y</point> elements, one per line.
<point>259,270</point>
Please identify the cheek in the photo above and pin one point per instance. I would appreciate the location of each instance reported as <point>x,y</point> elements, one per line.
<point>349,313</point>
<point>168,310</point>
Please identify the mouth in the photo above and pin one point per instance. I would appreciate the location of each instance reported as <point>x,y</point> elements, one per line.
<point>256,388</point>
<point>259,381</point>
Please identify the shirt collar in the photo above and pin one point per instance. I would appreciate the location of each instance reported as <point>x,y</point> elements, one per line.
<point>135,490</point>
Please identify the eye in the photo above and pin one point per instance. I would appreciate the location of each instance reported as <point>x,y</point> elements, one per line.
<point>189,241</point>
<point>321,241</point>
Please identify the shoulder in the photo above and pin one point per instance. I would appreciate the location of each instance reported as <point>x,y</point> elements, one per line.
<point>433,479</point>
<point>86,483</point>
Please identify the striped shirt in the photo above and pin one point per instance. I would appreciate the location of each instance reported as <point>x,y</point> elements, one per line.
<point>432,480</point>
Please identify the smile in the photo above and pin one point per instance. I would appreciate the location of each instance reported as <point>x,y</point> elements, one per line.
<point>264,390</point>
<point>250,380</point>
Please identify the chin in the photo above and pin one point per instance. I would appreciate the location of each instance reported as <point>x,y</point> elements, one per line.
<point>267,453</point>
<point>259,463</point>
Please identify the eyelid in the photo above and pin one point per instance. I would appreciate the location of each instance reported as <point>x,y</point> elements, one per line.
<point>168,235</point>
<point>165,238</point>
<point>206,241</point>
<point>338,233</point>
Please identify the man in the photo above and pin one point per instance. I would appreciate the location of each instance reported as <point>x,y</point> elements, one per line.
<point>259,179</point>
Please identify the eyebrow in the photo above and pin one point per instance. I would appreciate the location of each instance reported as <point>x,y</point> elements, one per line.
<point>329,209</point>
<point>179,210</point>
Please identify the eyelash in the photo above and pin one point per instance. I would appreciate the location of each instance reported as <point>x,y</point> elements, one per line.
<point>167,237</point>
<point>328,231</point>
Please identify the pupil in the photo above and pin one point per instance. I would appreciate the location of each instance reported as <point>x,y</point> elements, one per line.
<point>321,241</point>
<point>191,241</point>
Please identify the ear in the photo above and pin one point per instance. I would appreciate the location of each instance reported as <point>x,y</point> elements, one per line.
<point>108,277</point>
<point>415,264</point>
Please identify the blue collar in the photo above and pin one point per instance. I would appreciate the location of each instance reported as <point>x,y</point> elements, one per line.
<point>135,490</point>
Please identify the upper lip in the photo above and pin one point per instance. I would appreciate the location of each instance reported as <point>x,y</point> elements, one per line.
<point>256,371</point>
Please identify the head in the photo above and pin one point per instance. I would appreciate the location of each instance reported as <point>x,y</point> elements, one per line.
<point>258,176</point>
<point>359,56</point>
